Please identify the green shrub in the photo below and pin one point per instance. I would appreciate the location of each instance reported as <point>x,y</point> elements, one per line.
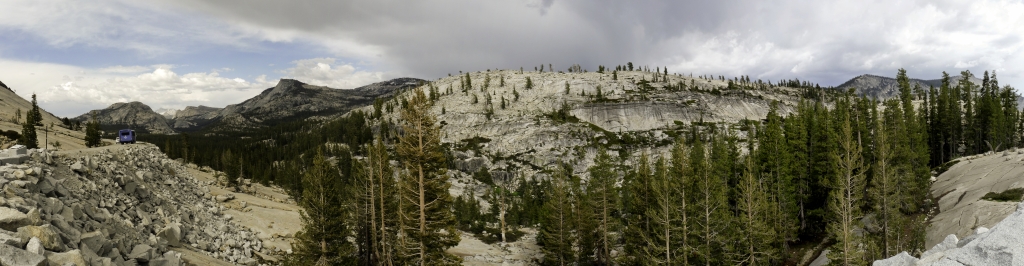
<point>474,143</point>
<point>1011,195</point>
<point>944,167</point>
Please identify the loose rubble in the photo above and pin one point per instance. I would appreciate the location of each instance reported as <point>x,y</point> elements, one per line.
<point>1001,245</point>
<point>124,207</point>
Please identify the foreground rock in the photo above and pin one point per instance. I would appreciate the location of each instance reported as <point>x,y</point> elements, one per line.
<point>959,192</point>
<point>1002,245</point>
<point>117,206</point>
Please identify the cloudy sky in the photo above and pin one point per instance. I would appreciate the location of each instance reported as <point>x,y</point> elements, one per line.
<point>82,55</point>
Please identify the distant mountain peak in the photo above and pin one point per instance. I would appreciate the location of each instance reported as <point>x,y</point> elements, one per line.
<point>135,115</point>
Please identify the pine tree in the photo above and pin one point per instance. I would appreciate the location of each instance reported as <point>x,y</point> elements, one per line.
<point>529,83</point>
<point>636,206</point>
<point>92,132</point>
<point>972,135</point>
<point>584,220</point>
<point>773,157</point>
<point>487,82</point>
<point>34,112</point>
<point>847,186</point>
<point>754,221</point>
<point>603,200</point>
<point>680,172</point>
<point>886,182</point>
<point>557,235</point>
<point>376,192</point>
<point>664,233</point>
<point>322,240</point>
<point>503,200</point>
<point>797,145</point>
<point>428,223</point>
<point>28,133</point>
<point>28,136</point>
<point>709,208</point>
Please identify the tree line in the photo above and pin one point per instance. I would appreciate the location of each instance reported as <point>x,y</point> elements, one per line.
<point>815,173</point>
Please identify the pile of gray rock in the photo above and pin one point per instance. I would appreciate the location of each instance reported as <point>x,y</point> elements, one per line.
<point>124,207</point>
<point>1002,245</point>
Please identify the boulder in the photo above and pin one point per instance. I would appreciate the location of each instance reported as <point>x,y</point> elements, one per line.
<point>142,253</point>
<point>11,219</point>
<point>45,185</point>
<point>96,242</point>
<point>46,234</point>
<point>73,235</point>
<point>78,168</point>
<point>35,246</point>
<point>12,256</point>
<point>98,214</point>
<point>171,233</point>
<point>822,259</point>
<point>73,257</point>
<point>10,238</point>
<point>225,197</point>
<point>946,244</point>
<point>902,259</point>
<point>34,217</point>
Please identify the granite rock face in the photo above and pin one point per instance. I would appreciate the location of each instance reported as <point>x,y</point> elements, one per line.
<point>1001,245</point>
<point>116,207</point>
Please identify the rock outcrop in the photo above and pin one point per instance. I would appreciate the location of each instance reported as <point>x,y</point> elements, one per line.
<point>959,193</point>
<point>125,205</point>
<point>1001,245</point>
<point>134,115</point>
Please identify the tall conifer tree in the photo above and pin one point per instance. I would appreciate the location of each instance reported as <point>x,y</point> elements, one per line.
<point>604,201</point>
<point>847,188</point>
<point>427,221</point>
<point>322,240</point>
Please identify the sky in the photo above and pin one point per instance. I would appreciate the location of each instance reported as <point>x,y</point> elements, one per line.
<point>83,55</point>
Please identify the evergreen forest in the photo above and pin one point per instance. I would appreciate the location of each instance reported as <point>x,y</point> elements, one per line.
<point>375,189</point>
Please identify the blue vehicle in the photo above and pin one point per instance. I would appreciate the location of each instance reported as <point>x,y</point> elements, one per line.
<point>126,136</point>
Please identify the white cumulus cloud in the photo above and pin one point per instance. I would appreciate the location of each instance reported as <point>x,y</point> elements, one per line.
<point>71,91</point>
<point>326,72</point>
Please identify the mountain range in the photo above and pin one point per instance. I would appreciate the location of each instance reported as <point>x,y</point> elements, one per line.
<point>289,100</point>
<point>292,100</point>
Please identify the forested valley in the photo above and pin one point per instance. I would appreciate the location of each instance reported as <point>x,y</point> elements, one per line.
<point>847,171</point>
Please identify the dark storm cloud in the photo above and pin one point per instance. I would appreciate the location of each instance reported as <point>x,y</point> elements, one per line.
<point>823,41</point>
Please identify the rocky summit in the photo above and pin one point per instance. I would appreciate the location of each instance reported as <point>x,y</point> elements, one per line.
<point>123,205</point>
<point>135,115</point>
